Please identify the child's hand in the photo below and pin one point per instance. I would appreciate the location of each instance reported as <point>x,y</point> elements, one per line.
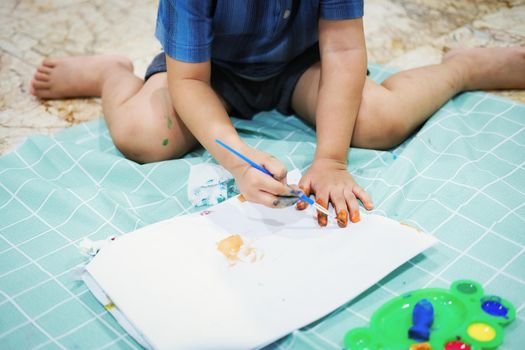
<point>260,188</point>
<point>330,181</point>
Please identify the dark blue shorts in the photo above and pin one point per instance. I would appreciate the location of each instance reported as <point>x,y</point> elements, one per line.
<point>247,97</point>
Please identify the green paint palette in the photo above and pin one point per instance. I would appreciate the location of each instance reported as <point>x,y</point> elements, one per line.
<point>463,319</point>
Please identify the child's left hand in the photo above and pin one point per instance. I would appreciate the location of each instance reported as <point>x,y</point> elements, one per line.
<point>330,181</point>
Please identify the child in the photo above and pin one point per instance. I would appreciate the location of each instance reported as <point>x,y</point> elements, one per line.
<point>242,56</point>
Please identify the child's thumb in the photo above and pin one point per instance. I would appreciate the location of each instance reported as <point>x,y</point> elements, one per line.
<point>276,167</point>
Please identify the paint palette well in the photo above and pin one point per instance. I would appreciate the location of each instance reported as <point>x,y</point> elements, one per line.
<point>464,318</point>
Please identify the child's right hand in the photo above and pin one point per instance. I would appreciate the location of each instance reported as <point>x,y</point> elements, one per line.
<point>258,187</point>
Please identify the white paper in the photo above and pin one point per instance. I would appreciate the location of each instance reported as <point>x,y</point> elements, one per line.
<point>179,292</point>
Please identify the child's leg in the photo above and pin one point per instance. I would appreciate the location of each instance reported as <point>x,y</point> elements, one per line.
<point>390,112</point>
<point>139,115</point>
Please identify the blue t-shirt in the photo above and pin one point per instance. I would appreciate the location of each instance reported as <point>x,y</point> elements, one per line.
<point>252,38</point>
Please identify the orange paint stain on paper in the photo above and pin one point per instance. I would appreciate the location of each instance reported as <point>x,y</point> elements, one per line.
<point>230,247</point>
<point>235,249</point>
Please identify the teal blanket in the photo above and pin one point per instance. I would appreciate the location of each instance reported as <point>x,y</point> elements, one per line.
<point>461,177</point>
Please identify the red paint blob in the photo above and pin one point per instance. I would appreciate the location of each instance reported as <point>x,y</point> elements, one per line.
<point>456,345</point>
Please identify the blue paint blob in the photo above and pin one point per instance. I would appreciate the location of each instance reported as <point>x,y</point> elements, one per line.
<point>494,307</point>
<point>422,319</point>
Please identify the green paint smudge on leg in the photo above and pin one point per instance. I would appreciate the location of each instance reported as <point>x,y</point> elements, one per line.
<point>165,142</point>
<point>170,122</point>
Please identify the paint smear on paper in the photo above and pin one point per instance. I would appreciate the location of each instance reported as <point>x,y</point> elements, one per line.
<point>235,249</point>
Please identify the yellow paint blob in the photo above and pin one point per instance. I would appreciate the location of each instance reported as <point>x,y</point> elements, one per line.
<point>481,331</point>
<point>230,247</point>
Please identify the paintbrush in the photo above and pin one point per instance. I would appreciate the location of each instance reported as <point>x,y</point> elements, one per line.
<point>301,195</point>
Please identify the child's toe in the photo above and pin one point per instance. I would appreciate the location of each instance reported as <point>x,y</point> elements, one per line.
<point>38,84</point>
<point>49,62</point>
<point>41,77</point>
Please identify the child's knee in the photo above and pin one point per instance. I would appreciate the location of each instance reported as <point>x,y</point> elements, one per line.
<point>381,128</point>
<point>145,143</point>
<point>396,128</point>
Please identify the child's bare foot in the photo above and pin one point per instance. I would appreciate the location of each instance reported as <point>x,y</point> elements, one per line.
<point>490,68</point>
<point>80,76</point>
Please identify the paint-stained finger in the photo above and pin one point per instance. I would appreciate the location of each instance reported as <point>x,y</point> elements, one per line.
<point>342,218</point>
<point>339,202</point>
<point>364,197</point>
<point>322,218</point>
<point>302,205</point>
<point>261,197</point>
<point>293,190</point>
<point>353,207</point>
<point>284,201</point>
<point>289,198</point>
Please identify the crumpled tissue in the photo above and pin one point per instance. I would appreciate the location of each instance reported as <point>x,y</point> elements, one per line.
<point>210,184</point>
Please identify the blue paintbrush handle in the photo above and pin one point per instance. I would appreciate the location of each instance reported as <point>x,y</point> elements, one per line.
<point>243,157</point>
<point>306,199</point>
<point>315,205</point>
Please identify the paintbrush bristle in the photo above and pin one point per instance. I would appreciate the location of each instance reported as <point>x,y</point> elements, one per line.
<point>323,210</point>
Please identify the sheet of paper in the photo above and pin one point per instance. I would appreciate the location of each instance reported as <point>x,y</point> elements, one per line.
<point>180,292</point>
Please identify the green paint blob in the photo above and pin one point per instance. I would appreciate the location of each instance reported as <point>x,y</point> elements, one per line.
<point>165,142</point>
